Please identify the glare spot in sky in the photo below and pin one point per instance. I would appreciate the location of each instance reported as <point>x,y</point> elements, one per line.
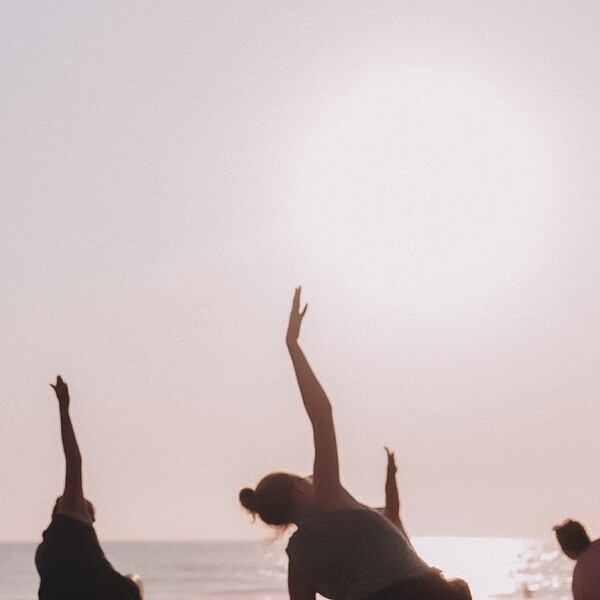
<point>424,180</point>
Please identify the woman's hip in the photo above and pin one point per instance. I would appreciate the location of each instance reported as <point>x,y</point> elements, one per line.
<point>431,586</point>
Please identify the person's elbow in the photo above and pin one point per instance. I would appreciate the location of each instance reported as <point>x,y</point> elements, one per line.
<point>137,580</point>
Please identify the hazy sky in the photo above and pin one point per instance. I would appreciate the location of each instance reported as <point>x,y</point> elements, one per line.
<point>428,171</point>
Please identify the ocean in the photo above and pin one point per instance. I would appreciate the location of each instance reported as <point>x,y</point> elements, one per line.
<point>496,568</point>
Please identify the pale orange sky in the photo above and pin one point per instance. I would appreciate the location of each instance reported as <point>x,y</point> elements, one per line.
<point>428,171</point>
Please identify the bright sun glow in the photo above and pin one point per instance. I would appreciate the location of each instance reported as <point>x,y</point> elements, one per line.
<point>426,181</point>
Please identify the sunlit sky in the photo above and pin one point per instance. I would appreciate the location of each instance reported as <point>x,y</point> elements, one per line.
<point>427,171</point>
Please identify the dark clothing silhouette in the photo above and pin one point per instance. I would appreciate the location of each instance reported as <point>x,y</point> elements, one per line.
<point>72,566</point>
<point>432,587</point>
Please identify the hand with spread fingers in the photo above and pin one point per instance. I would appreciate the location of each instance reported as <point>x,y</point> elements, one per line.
<point>296,317</point>
<point>391,465</point>
<point>62,391</point>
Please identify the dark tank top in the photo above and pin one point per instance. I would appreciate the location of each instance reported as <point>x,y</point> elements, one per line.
<point>72,566</point>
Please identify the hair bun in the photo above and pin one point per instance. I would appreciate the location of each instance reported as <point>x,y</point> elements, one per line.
<point>248,499</point>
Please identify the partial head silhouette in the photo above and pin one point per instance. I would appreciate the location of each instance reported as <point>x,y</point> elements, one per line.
<point>274,499</point>
<point>572,537</point>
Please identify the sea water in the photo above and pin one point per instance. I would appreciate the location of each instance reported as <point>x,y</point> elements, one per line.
<point>497,568</point>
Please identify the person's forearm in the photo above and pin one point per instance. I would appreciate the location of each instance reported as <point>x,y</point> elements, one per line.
<point>392,500</point>
<point>70,446</point>
<point>313,395</point>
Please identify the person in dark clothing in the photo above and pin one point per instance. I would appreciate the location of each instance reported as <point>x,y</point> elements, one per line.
<point>70,561</point>
<point>577,545</point>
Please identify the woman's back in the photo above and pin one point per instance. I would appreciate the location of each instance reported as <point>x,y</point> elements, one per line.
<point>350,554</point>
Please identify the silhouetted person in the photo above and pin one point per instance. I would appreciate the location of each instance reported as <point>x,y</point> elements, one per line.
<point>576,544</point>
<point>341,549</point>
<point>69,560</point>
<point>391,511</point>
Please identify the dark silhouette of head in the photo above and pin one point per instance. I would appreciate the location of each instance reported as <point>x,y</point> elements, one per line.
<point>274,499</point>
<point>572,537</point>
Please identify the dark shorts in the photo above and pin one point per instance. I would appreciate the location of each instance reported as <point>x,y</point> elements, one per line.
<point>72,566</point>
<point>430,587</point>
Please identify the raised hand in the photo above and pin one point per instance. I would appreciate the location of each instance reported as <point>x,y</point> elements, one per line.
<point>62,391</point>
<point>296,317</point>
<point>391,466</point>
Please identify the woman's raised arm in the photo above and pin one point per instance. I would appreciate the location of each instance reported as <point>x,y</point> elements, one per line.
<point>326,477</point>
<point>72,501</point>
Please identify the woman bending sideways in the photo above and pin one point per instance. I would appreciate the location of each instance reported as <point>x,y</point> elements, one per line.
<point>341,548</point>
<point>71,564</point>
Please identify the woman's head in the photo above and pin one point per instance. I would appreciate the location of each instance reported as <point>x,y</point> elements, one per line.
<point>275,498</point>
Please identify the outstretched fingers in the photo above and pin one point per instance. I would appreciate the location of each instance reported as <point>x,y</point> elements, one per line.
<point>296,303</point>
<point>61,389</point>
<point>391,459</point>
<point>296,316</point>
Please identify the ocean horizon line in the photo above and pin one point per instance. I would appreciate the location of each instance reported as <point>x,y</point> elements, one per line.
<point>269,540</point>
